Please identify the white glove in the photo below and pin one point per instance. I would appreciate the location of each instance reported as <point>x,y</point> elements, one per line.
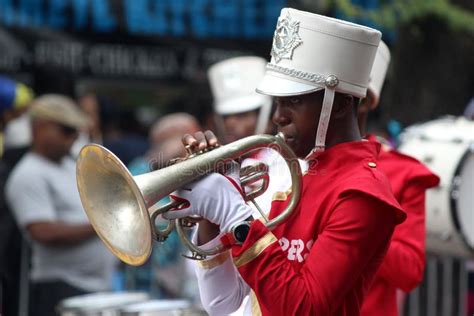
<point>215,197</point>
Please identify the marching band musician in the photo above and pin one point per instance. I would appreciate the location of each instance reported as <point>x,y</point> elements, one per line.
<point>403,266</point>
<point>322,260</point>
<point>240,111</point>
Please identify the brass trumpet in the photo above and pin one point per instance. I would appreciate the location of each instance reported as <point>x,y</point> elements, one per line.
<point>118,204</point>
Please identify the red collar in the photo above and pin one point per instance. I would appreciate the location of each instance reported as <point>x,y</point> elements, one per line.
<point>345,153</point>
<point>380,140</point>
<point>371,138</point>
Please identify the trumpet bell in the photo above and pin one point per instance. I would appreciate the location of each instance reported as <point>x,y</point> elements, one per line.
<point>114,204</point>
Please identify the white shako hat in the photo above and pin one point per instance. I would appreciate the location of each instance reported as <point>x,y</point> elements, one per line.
<point>311,52</point>
<point>233,82</point>
<point>379,70</point>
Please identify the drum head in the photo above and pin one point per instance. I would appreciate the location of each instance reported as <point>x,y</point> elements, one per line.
<point>446,147</point>
<point>446,129</point>
<point>100,301</point>
<point>465,198</point>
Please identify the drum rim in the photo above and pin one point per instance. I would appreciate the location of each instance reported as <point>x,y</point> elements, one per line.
<point>453,202</point>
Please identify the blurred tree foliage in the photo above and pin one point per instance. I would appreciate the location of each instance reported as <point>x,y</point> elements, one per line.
<point>390,14</point>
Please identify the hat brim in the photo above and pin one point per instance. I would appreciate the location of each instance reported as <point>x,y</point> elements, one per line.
<point>278,86</point>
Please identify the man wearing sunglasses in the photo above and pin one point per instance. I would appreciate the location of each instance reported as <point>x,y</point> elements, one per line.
<point>67,257</point>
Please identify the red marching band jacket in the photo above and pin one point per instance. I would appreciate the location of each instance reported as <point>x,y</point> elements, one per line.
<point>322,260</point>
<point>403,265</point>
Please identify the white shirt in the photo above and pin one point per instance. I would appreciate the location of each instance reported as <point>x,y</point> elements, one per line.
<point>41,190</point>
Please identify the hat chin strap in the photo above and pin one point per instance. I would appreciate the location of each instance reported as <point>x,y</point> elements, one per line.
<point>323,124</point>
<point>263,117</point>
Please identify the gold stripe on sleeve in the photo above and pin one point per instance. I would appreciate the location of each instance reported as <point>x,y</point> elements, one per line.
<point>256,311</point>
<point>256,249</point>
<point>214,262</point>
<point>281,196</point>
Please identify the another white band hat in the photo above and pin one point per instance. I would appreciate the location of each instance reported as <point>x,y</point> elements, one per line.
<point>379,70</point>
<point>311,52</point>
<point>233,82</point>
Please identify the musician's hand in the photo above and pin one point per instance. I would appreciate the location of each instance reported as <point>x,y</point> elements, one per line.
<point>215,197</point>
<point>200,140</point>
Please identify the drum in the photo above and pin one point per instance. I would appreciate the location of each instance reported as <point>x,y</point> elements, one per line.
<point>446,146</point>
<point>99,304</point>
<point>162,308</point>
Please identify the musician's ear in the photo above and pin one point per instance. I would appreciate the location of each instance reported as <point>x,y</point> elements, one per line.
<point>343,103</point>
<point>369,103</point>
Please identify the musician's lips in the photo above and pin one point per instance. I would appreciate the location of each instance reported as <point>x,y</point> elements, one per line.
<point>285,135</point>
<point>289,140</point>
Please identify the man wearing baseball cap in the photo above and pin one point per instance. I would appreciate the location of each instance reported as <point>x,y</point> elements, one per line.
<point>403,266</point>
<point>67,257</point>
<point>322,260</point>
